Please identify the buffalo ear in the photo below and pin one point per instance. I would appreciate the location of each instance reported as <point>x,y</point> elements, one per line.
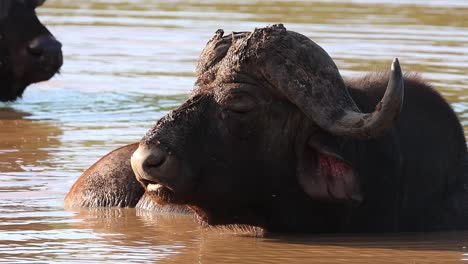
<point>38,3</point>
<point>325,176</point>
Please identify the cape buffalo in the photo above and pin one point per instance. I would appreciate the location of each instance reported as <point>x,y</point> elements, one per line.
<point>28,51</point>
<point>272,136</point>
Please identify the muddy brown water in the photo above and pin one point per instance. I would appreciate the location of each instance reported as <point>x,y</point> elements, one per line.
<point>127,63</point>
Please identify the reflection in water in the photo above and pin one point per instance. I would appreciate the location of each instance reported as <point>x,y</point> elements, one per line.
<point>24,143</point>
<point>141,236</point>
<point>129,62</point>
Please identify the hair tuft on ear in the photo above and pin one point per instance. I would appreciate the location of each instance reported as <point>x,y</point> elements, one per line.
<point>326,176</point>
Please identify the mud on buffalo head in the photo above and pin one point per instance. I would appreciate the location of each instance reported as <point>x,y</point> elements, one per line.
<point>260,134</point>
<point>29,53</point>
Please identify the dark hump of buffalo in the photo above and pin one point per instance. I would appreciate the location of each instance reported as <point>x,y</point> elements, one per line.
<point>110,182</point>
<point>429,145</point>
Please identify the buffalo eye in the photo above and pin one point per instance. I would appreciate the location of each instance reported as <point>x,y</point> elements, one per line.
<point>240,103</point>
<point>238,114</point>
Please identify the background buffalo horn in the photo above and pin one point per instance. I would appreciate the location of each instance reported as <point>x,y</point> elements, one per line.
<point>303,72</point>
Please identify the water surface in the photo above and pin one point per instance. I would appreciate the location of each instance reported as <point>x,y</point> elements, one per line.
<point>127,63</point>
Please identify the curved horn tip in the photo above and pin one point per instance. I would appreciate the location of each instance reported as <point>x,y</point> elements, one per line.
<point>396,65</point>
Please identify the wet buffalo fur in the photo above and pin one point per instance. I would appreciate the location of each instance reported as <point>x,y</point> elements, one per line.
<point>119,187</point>
<point>29,53</point>
<point>238,162</point>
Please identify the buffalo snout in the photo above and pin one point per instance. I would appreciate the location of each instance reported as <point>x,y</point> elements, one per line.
<point>46,48</point>
<point>147,163</point>
<point>47,51</point>
<point>158,170</point>
<point>29,53</point>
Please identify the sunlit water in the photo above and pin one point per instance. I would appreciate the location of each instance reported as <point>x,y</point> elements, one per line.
<point>128,63</point>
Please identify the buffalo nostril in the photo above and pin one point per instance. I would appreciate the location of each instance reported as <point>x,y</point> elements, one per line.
<point>147,163</point>
<point>35,50</point>
<point>154,160</point>
<point>44,46</point>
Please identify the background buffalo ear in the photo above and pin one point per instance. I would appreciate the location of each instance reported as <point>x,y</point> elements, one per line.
<point>37,3</point>
<point>324,175</point>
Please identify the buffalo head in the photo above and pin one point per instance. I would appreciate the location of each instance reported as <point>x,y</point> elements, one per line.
<point>28,51</point>
<point>261,135</point>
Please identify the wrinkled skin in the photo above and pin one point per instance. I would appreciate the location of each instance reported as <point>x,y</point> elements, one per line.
<point>243,149</point>
<point>29,53</point>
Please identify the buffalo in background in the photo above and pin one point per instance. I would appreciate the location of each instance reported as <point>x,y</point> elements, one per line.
<point>29,53</point>
<point>272,136</point>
